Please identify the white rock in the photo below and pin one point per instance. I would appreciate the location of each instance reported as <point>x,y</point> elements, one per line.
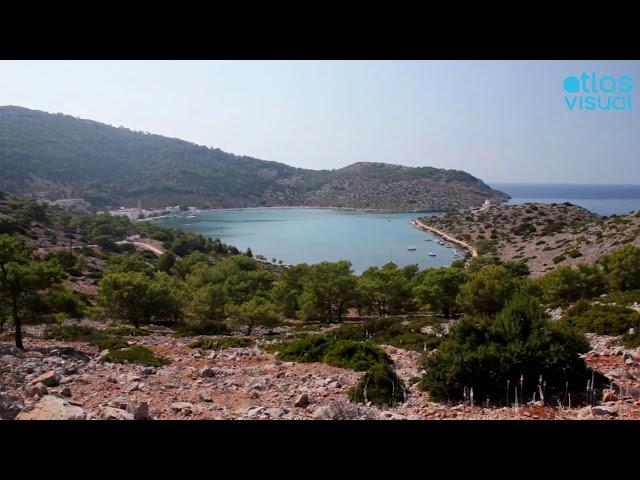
<point>53,408</point>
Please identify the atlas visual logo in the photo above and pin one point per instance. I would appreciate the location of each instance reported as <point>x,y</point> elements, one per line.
<point>592,92</point>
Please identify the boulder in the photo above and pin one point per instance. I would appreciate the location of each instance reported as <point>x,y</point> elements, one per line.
<point>49,379</point>
<point>275,412</point>
<point>205,397</point>
<point>53,408</point>
<point>323,413</point>
<point>65,392</point>
<point>119,402</point>
<point>182,407</point>
<point>602,411</point>
<point>8,406</point>
<point>110,413</point>
<point>139,410</point>
<point>386,415</point>
<point>302,400</point>
<point>208,372</point>
<point>37,389</point>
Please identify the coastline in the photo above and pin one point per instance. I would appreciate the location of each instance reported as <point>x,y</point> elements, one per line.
<point>421,226</point>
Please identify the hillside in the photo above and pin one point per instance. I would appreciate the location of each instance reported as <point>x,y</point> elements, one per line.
<point>60,156</point>
<point>544,235</point>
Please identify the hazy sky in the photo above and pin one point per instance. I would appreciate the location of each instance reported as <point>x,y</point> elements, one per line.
<point>500,121</point>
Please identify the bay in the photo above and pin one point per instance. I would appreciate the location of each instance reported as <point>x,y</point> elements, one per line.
<point>312,235</point>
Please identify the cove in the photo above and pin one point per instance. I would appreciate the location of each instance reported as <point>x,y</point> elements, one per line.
<point>312,235</point>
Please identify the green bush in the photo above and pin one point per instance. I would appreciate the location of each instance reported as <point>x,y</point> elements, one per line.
<point>221,343</point>
<point>135,354</point>
<point>487,353</point>
<point>380,385</point>
<point>125,331</point>
<point>631,340</point>
<point>601,319</point>
<point>339,353</point>
<point>110,343</point>
<point>71,333</point>
<point>389,331</point>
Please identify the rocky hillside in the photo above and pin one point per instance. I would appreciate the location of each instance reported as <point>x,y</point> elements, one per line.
<point>59,156</point>
<point>544,235</point>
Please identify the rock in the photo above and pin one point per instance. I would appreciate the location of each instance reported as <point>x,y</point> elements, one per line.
<point>629,361</point>
<point>258,383</point>
<point>66,392</point>
<point>196,354</point>
<point>8,406</point>
<point>182,406</point>
<point>71,370</point>
<point>112,380</point>
<point>53,408</point>
<point>386,415</point>
<point>133,387</point>
<point>119,402</point>
<point>302,401</point>
<point>602,411</point>
<point>208,372</point>
<point>275,412</point>
<point>626,356</point>
<point>205,397</point>
<point>110,413</point>
<point>8,360</point>
<point>37,389</point>
<point>148,371</point>
<point>139,410</point>
<point>49,379</point>
<point>254,395</point>
<point>323,413</point>
<point>609,395</point>
<point>253,411</point>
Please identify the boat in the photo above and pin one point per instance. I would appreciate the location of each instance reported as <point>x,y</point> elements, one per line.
<point>449,246</point>
<point>428,239</point>
<point>192,216</point>
<point>431,254</point>
<point>411,248</point>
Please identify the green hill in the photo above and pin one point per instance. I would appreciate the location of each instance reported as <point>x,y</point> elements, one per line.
<point>60,156</point>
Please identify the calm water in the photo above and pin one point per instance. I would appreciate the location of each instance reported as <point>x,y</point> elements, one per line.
<point>601,199</point>
<point>297,235</point>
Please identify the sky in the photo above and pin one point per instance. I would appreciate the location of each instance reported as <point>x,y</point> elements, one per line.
<point>502,121</point>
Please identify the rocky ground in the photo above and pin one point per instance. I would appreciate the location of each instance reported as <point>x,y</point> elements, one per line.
<point>64,380</point>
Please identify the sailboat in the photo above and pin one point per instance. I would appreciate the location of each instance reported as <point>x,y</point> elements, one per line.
<point>411,248</point>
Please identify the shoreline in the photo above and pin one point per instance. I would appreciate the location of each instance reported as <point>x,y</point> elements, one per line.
<point>421,226</point>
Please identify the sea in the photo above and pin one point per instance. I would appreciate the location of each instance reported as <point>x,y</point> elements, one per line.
<point>599,198</point>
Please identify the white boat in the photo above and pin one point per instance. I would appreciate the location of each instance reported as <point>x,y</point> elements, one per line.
<point>431,254</point>
<point>412,248</point>
<point>192,216</point>
<point>428,239</point>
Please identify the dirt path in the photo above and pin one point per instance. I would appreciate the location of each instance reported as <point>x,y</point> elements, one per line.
<point>421,226</point>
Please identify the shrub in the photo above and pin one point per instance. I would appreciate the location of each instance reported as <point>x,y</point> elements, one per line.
<point>601,319</point>
<point>110,343</point>
<point>380,385</point>
<point>559,259</point>
<point>339,353</point>
<point>484,353</point>
<point>70,333</point>
<point>221,343</point>
<point>388,331</point>
<point>135,354</point>
<point>631,340</point>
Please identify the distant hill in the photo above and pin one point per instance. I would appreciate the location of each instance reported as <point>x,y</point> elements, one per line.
<point>60,156</point>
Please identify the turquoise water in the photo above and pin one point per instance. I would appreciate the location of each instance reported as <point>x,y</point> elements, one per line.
<point>297,235</point>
